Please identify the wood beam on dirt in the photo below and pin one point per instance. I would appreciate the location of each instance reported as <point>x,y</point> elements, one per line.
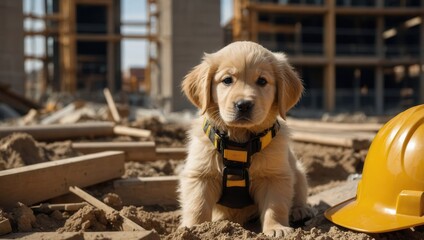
<point>335,195</point>
<point>134,151</point>
<point>171,153</point>
<point>62,131</point>
<point>127,224</point>
<point>307,124</point>
<point>132,132</point>
<point>122,235</point>
<point>39,182</point>
<point>56,116</point>
<point>332,140</point>
<point>112,106</point>
<point>60,206</point>
<point>147,190</point>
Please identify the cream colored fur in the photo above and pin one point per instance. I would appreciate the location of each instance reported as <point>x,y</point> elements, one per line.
<point>278,182</point>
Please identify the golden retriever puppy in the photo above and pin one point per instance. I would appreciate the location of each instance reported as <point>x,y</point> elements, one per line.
<point>239,163</point>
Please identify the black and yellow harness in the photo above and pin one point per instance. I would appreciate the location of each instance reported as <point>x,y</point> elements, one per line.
<point>236,159</point>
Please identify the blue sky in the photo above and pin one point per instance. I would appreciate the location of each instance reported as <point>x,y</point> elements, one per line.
<point>133,51</point>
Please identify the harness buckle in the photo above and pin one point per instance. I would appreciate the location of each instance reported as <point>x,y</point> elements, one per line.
<point>235,188</point>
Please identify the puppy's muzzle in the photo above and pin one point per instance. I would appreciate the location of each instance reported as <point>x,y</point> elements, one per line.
<point>243,109</point>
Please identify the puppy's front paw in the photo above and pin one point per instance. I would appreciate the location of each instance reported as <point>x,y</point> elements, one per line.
<point>278,231</point>
<point>301,214</point>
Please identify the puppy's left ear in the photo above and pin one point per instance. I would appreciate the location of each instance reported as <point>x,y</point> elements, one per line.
<point>289,85</point>
<point>197,84</point>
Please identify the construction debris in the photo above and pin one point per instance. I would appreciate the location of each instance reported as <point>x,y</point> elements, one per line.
<point>16,101</point>
<point>28,184</point>
<point>55,132</point>
<point>141,179</point>
<point>154,190</point>
<point>46,207</point>
<point>127,224</point>
<point>112,107</point>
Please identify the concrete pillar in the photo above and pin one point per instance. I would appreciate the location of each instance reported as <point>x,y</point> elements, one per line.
<point>329,52</point>
<point>188,29</point>
<point>12,72</point>
<point>379,90</point>
<point>379,76</point>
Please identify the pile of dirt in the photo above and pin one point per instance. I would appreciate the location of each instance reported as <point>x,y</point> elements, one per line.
<point>163,222</point>
<point>91,219</point>
<point>154,168</point>
<point>214,230</point>
<point>20,149</point>
<point>165,134</point>
<point>328,166</point>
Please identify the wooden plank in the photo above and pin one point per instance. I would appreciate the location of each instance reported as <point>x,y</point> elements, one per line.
<point>111,104</point>
<point>113,37</point>
<point>16,101</point>
<point>62,131</point>
<point>126,235</point>
<point>134,151</point>
<point>60,206</point>
<point>132,132</point>
<point>127,224</point>
<point>39,182</point>
<point>379,11</point>
<point>56,116</point>
<point>308,124</point>
<point>5,227</point>
<point>171,153</point>
<point>332,140</point>
<point>281,8</point>
<point>147,190</point>
<point>335,195</point>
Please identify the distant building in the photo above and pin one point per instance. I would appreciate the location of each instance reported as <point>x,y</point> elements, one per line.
<point>12,72</point>
<point>352,55</point>
<point>187,29</point>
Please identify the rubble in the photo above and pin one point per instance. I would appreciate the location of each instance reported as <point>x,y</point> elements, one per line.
<point>141,186</point>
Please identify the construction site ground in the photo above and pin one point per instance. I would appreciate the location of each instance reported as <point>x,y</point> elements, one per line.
<point>333,169</point>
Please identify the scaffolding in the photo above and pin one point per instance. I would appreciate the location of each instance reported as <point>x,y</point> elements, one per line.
<point>63,62</point>
<point>380,35</point>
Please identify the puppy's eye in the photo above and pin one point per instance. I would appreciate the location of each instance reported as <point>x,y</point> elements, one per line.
<point>261,81</point>
<point>228,81</point>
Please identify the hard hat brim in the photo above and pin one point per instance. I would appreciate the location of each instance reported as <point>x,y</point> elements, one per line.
<point>350,214</point>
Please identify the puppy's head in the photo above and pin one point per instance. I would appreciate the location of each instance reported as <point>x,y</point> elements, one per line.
<point>243,85</point>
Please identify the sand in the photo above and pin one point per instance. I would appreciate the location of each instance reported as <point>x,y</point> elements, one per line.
<point>328,167</point>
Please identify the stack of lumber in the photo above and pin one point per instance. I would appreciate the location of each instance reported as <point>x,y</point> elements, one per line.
<point>351,135</point>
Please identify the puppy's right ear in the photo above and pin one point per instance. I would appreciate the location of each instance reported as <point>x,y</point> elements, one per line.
<point>197,84</point>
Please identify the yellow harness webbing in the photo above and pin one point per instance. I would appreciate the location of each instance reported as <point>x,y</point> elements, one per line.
<point>236,159</point>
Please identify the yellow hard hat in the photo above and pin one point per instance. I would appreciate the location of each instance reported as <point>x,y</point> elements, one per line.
<point>390,195</point>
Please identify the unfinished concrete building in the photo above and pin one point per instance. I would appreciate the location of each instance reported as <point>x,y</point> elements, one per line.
<point>187,29</point>
<point>352,55</point>
<point>82,48</point>
<point>12,73</point>
<point>83,51</point>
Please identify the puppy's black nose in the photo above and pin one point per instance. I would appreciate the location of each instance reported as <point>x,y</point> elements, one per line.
<point>243,106</point>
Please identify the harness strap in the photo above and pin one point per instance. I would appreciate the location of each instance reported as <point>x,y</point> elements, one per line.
<point>236,159</point>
